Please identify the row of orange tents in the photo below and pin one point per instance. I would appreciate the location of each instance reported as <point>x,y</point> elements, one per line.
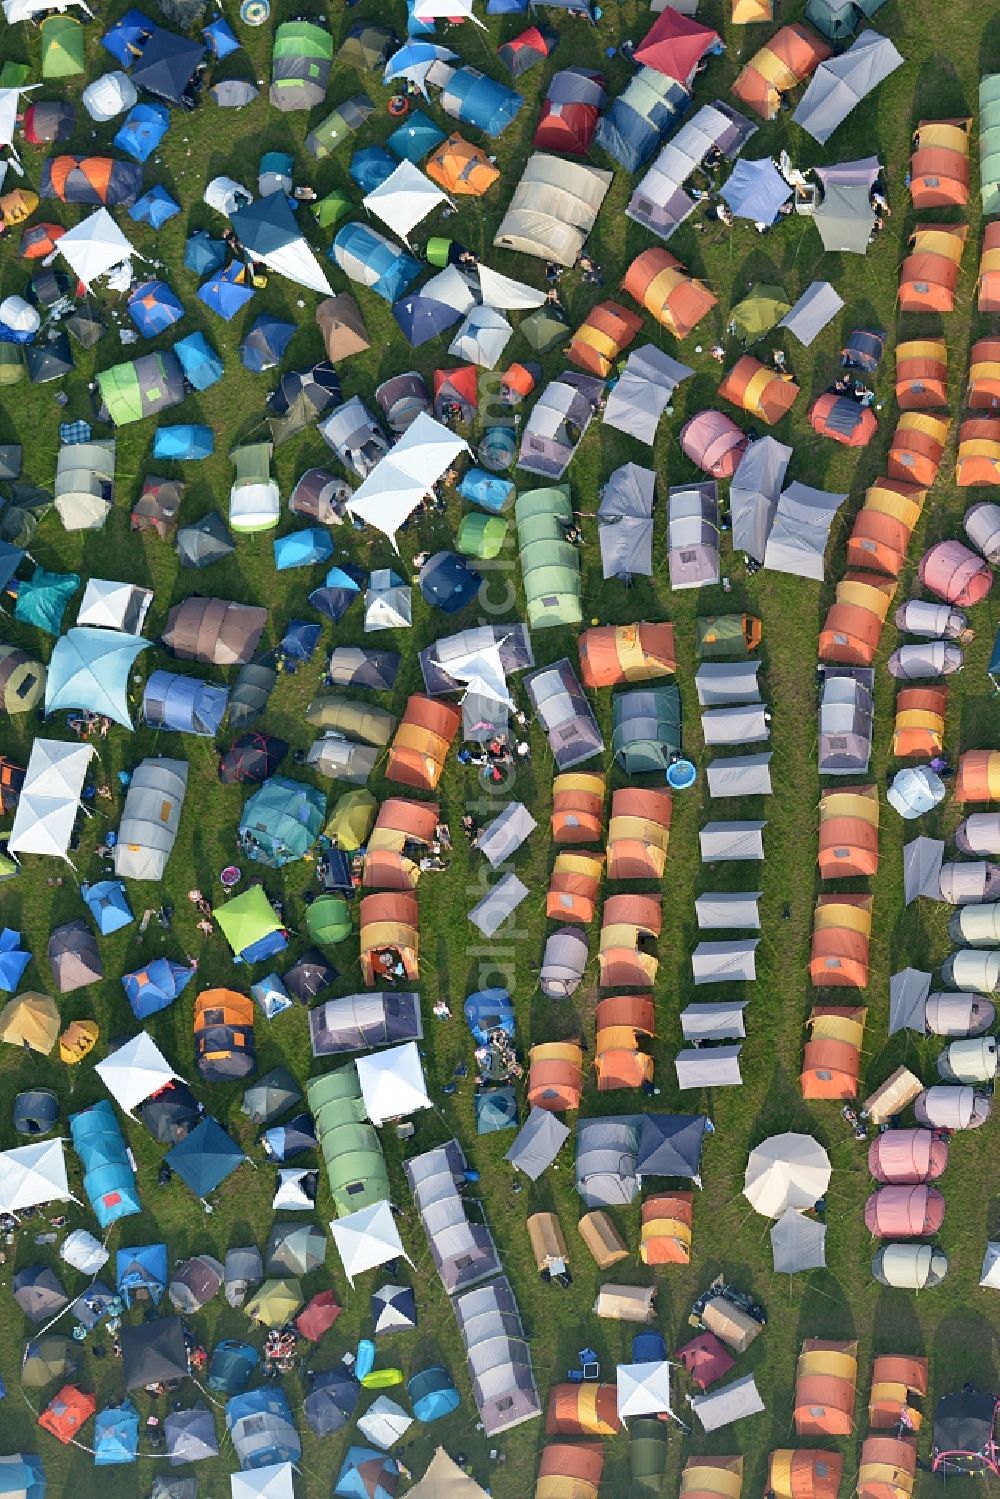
<point>790,57</point>
<point>888,1463</point>
<point>399,822</point>
<point>842,928</point>
<point>854,621</point>
<point>880,537</point>
<point>667,1219</point>
<point>577,807</point>
<point>978,778</point>
<point>939,164</point>
<point>928,278</point>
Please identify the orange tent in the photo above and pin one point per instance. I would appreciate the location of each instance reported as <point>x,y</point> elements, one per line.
<point>825,1384</point>
<point>842,419</point>
<point>898,1382</point>
<point>884,525</point>
<point>661,285</point>
<point>555,1075</point>
<point>460,168</point>
<point>66,1413</point>
<point>888,1468</point>
<point>582,1410</point>
<point>573,887</point>
<point>389,936</point>
<point>939,165</point>
<point>989,269</point>
<point>831,1064</point>
<point>757,388</point>
<point>747,12</point>
<point>842,926</point>
<point>712,1477</point>
<point>610,654</point>
<point>919,725</point>
<point>848,833</point>
<point>570,1470</point>
<point>916,448</point>
<point>984,374</point>
<point>423,738</point>
<point>921,374</point>
<point>808,1473</point>
<point>791,56</point>
<point>929,273</point>
<point>628,926</point>
<point>853,625</point>
<point>638,833</point>
<point>978,778</point>
<point>600,340</point>
<point>978,460</point>
<point>399,822</point>
<point>517,382</point>
<point>666,1231</point>
<point>620,1021</point>
<point>578,807</point>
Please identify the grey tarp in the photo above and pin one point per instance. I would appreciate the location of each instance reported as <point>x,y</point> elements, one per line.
<point>538,1142</point>
<point>732,1403</point>
<point>463,1252</point>
<point>358,1021</point>
<point>625,518</point>
<point>740,775</point>
<point>343,761</point>
<point>670,1145</point>
<point>839,84</point>
<point>846,713</point>
<point>643,391</point>
<point>731,840</point>
<point>922,860</point>
<point>708,1067</point>
<point>754,492</point>
<point>801,530</point>
<point>505,834</point>
<point>190,1435</point>
<point>798,1243</point>
<point>606,1151</point>
<point>154,1352</point>
<point>720,682</point>
<point>499,1356</point>
<point>719,910</point>
<point>719,1021</point>
<point>563,962</point>
<point>565,714</point>
<point>908,991</point>
<point>497,904</point>
<point>724,962</point>
<point>845,216</point>
<point>735,726</point>
<point>817,306</point>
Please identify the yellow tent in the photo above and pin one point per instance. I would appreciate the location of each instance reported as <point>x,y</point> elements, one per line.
<point>30,1020</point>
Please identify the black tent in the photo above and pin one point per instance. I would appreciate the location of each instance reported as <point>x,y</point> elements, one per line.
<point>306,978</point>
<point>362,666</point>
<point>171,1114</point>
<point>154,1353</point>
<point>253,757</point>
<point>49,361</point>
<point>86,325</point>
<point>167,65</point>
<point>965,1435</point>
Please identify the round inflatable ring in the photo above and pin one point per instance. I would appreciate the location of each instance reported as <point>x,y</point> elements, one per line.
<point>254,12</point>
<point>398,106</point>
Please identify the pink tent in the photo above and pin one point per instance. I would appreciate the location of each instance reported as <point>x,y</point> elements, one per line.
<point>904,1212</point>
<point>675,45</point>
<point>907,1156</point>
<point>956,574</point>
<point>714,443</point>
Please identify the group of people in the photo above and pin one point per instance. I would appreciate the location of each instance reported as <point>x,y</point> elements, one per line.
<point>280,1351</point>
<point>849,385</point>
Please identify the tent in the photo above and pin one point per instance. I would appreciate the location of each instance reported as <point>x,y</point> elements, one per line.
<point>366,1239</point>
<point>184,704</point>
<point>646,728</point>
<point>90,669</point>
<point>214,630</point>
<point>675,44</point>
<point>693,532</point>
<point>565,714</point>
<point>965,1440</point>
<point>659,201</point>
<point>141,387</point>
<point>135,1071</point>
<point>142,130</point>
<point>463,1251</point>
<point>499,1356</point>
<point>50,798</point>
<point>939,163</point>
<point>167,64</point>
<point>95,246</point>
<point>756,190</point>
<point>784,62</point>
<point>31,1021</point>
<point>553,208</point>
<point>557,423</point>
<point>472,98</point>
<point>268,230</point>
<point>108,1174</point>
<point>263,1435</point>
<point>190,1435</point>
<point>800,531</point>
<point>331,1399</point>
<point>369,258</point>
<point>301,59</point>
<point>357,1021</point>
<point>351,1152</point>
<point>839,85</point>
<point>443,1479</point>
<point>205,1157</point>
<point>223,1034</point>
<point>66,1413</point>
<point>637,121</point>
<point>786,1171</point>
<point>661,285</point>
<point>642,392</point>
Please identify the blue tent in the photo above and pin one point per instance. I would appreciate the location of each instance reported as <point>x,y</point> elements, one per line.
<point>126,31</point>
<point>416,137</point>
<point>285,1141</point>
<point>302,548</point>
<point>108,1178</point>
<point>506,7</point>
<point>637,121</point>
<point>261,1428</point>
<point>496,1110</point>
<point>184,704</point>
<point>489,1010</point>
<point>448,581</point>
<point>486,490</point>
<point>108,904</point>
<point>154,208</point>
<point>475,99</point>
<point>226,294</point>
<point>10,560</point>
<point>341,587</point>
<point>220,37</point>
<point>756,190</point>
<point>116,1435</point>
<point>231,1366</point>
<point>370,167</point>
<point>154,308</point>
<point>272,996</point>
<point>422,318</point>
<point>142,130</point>
<point>299,640</point>
<point>42,599</point>
<point>185,441</point>
<point>362,1474</point>
<point>414,25</point>
<point>155,986</point>
<point>203,254</point>
<point>90,668</point>
<point>266,342</point>
<point>141,1273</point>
<point>201,364</point>
<point>432,1393</point>
<point>205,1157</point>
<point>13,959</point>
<point>22,1477</point>
<point>368,257</point>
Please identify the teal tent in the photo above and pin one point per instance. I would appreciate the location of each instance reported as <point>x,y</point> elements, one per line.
<point>42,599</point>
<point>646,728</point>
<point>281,821</point>
<point>90,669</point>
<point>205,1157</point>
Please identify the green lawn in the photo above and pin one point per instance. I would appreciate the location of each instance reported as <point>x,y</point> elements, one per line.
<point>946,48</point>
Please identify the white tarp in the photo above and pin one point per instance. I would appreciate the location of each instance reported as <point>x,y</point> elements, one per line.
<point>399,481</point>
<point>499,902</point>
<point>908,991</point>
<point>719,910</point>
<point>482,338</point>
<point>798,1243</point>
<point>505,834</point>
<point>95,246</point>
<point>734,1402</point>
<point>450,288</point>
<point>990,1274</point>
<point>275,1481</point>
<point>725,962</point>
<point>738,725</point>
<point>9,110</point>
<point>505,293</point>
<point>722,841</point>
<point>366,1239</point>
<point>33,1174</point>
<point>135,1072</point>
<point>50,798</point>
<point>740,775</point>
<point>720,1021</point>
<point>719,682</point>
<point>708,1067</point>
<point>404,198</point>
<point>392,1083</point>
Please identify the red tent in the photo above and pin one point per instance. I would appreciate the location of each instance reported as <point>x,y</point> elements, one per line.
<point>706,1360</point>
<point>457,387</point>
<point>569,112</point>
<point>66,1413</point>
<point>318,1316</point>
<point>675,45</point>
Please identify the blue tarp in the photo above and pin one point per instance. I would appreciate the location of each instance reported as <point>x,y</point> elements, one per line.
<point>201,364</point>
<point>370,167</point>
<point>184,704</point>
<point>155,986</point>
<point>489,1010</point>
<point>220,38</point>
<point>205,1157</point>
<point>475,99</point>
<point>756,190</point>
<point>390,271</point>
<point>154,308</point>
<point>141,1271</point>
<point>108,1179</point>
<point>22,1476</point>
<point>13,959</point>
<point>416,137</point>
<point>302,548</point>
<point>142,130</point>
<point>116,1435</point>
<point>185,441</point>
<point>108,904</point>
<point>154,208</point>
<point>224,293</point>
<point>203,254</point>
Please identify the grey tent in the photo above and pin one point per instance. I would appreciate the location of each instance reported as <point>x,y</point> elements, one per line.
<point>671,1145</point>
<point>243,1272</point>
<point>931,621</point>
<point>194,1282</point>
<point>846,715</point>
<point>725,962</point>
<point>738,725</point>
<point>74,957</point>
<point>740,775</point>
<point>922,861</point>
<point>553,208</point>
<point>981,524</point>
<point>606,1152</point>
<point>190,1435</point>
<point>721,910</point>
<point>538,1142</point>
<point>708,1067</point>
<point>976,925</point>
<point>154,1352</point>
<point>801,530</point>
<point>341,760</point>
<point>165,1487</point>
<point>720,841</point>
<point>248,698</point>
<point>186,704</point>
<point>565,714</point>
<point>839,84</point>
<point>295,1249</point>
<point>270,1096</point>
<point>501,901</point>
<point>558,420</point>
<point>693,534</point>
<point>925,658</point>
<point>563,962</point>
<point>359,1021</point>
<point>501,838</point>
<point>719,682</point>
<point>979,834</point>
<point>205,541</point>
<point>84,484</point>
<point>354,435</point>
<point>463,1251</point>
<point>261,1429</point>
<point>643,391</point>
<point>817,306</point>
<point>308,975</point>
<point>754,492</point>
<point>38,1293</point>
<point>330,1400</point>
<point>361,666</point>
<point>219,632</point>
<point>659,201</point>
<point>498,1355</point>
<point>908,991</point>
<point>625,518</point>
<point>721,1020</point>
<point>150,819</point>
<point>971,968</point>
<point>512,643</point>
<point>798,1243</point>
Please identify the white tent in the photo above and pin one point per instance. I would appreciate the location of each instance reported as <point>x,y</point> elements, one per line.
<point>384,1422</point>
<point>798,1243</point>
<point>451,288</point>
<point>404,198</point>
<point>481,671</point>
<point>786,1171</point>
<point>989,1276</point>
<point>95,246</point>
<point>293,1194</point>
<point>366,1239</point>
<point>708,1067</point>
<point>388,602</point>
<point>9,107</point>
<point>721,1020</point>
<point>276,1481</point>
<point>644,1389</point>
<point>135,1072</point>
<point>392,1083</point>
<point>33,1174</point>
<point>731,962</point>
<point>27,10</point>
<point>733,1402</point>
<point>504,292</point>
<point>18,315</point>
<point>114,606</point>
<point>108,96</point>
<point>482,338</point>
<point>50,797</point>
<point>399,481</point>
<point>85,1253</point>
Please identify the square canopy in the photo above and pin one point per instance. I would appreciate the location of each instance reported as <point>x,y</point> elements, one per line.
<point>366,1239</point>
<point>95,246</point>
<point>644,1389</point>
<point>399,481</point>
<point>50,797</point>
<point>392,1083</point>
<point>404,198</point>
<point>135,1072</point>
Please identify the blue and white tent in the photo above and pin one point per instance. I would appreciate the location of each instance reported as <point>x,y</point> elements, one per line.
<point>184,704</point>
<point>141,1272</point>
<point>369,258</point>
<point>475,99</point>
<point>302,548</point>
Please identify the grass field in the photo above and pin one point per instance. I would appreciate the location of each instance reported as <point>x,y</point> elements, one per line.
<point>946,48</point>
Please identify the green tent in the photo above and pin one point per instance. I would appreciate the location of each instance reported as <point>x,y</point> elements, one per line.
<point>353,719</point>
<point>761,309</point>
<point>247,919</point>
<point>368,48</point>
<point>989,142</point>
<point>646,728</point>
<point>47,1358</point>
<point>331,209</point>
<point>328,919</point>
<point>22,680</point>
<point>20,517</point>
<point>481,535</point>
<point>350,1147</point>
<point>302,57</point>
<point>141,387</point>
<point>647,1452</point>
<point>62,47</point>
<point>550,566</point>
<point>724,635</point>
<point>275,1303</point>
<point>9,867</point>
<point>281,821</point>
<point>352,820</point>
<point>341,123</point>
<point>543,330</point>
<point>12,367</point>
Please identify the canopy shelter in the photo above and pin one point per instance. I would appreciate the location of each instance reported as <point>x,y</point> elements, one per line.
<point>786,1171</point>
<point>136,1071</point>
<point>817,306</point>
<point>405,198</point>
<point>166,65</point>
<point>754,494</point>
<point>398,484</point>
<point>268,230</point>
<point>367,1239</point>
<point>642,392</point>
<point>95,246</point>
<point>801,529</point>
<point>50,798</point>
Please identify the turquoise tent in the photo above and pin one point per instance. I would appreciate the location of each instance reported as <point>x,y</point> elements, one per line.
<point>108,1178</point>
<point>116,1435</point>
<point>42,599</point>
<point>205,1157</point>
<point>201,364</point>
<point>281,821</point>
<point>22,1476</point>
<point>90,669</point>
